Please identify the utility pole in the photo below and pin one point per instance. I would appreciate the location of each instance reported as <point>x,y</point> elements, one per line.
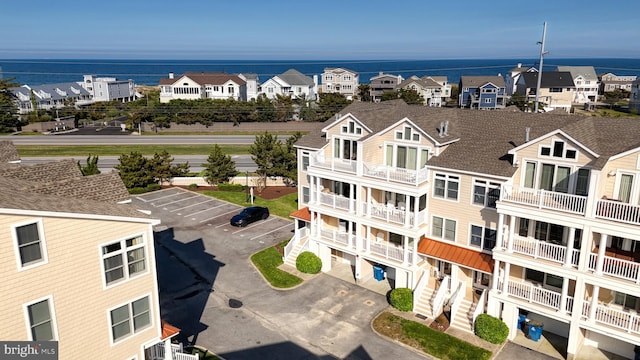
<point>542,54</point>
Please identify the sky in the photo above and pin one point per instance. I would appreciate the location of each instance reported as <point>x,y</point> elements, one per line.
<point>318,30</point>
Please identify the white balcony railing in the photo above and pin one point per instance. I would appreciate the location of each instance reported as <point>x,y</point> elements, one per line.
<point>535,294</point>
<point>543,250</point>
<point>620,268</point>
<point>624,320</point>
<point>393,214</point>
<point>618,211</point>
<point>337,201</point>
<point>543,199</point>
<point>338,237</point>
<point>300,234</point>
<point>387,250</point>
<point>334,164</point>
<point>390,173</point>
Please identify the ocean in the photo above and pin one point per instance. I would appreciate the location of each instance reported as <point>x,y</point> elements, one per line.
<point>149,72</point>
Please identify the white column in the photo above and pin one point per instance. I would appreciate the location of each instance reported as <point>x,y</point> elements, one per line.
<point>368,247</point>
<point>405,249</point>
<point>594,302</point>
<point>407,215</point>
<point>601,253</point>
<point>369,201</point>
<point>569,248</point>
<point>512,227</point>
<point>167,349</point>
<point>507,268</point>
<point>416,210</point>
<point>500,232</point>
<point>352,196</point>
<point>496,274</point>
<point>563,295</point>
<point>318,186</point>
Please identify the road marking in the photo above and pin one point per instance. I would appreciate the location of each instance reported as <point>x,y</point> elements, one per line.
<point>217,216</point>
<point>281,227</point>
<point>200,203</point>
<point>164,197</point>
<point>207,209</point>
<point>252,226</point>
<point>179,200</point>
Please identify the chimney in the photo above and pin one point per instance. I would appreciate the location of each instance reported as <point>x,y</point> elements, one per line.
<point>171,75</point>
<point>519,65</point>
<point>526,134</point>
<point>446,128</point>
<point>441,129</point>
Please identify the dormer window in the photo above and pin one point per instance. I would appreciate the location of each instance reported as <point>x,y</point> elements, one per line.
<point>351,128</point>
<point>559,150</point>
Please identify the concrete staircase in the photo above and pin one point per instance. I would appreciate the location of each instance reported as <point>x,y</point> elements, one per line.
<point>463,319</point>
<point>291,259</point>
<point>424,305</point>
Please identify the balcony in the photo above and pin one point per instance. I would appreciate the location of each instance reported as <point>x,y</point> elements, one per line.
<point>390,173</point>
<point>543,250</point>
<point>392,214</point>
<point>337,201</point>
<point>618,211</point>
<point>382,249</point>
<point>624,320</point>
<point>333,164</point>
<point>388,250</point>
<point>616,267</point>
<point>535,294</point>
<point>544,199</point>
<point>338,237</point>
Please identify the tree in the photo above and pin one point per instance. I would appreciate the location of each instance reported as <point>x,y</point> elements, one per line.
<point>330,104</point>
<point>284,107</point>
<point>9,120</point>
<point>91,168</point>
<point>411,97</point>
<point>285,160</point>
<point>263,152</point>
<point>613,97</point>
<point>364,93</point>
<point>134,170</point>
<point>219,167</point>
<point>389,95</point>
<point>162,168</point>
<point>518,100</point>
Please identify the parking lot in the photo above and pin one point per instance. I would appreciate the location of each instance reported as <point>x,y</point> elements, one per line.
<point>209,288</point>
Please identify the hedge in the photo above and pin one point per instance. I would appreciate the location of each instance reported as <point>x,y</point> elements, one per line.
<point>401,299</point>
<point>491,329</point>
<point>308,263</point>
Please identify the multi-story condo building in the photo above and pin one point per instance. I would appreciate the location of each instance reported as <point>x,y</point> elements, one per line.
<point>341,81</point>
<point>203,85</point>
<point>291,83</point>
<point>432,91</point>
<point>586,83</point>
<point>382,83</point>
<point>109,89</point>
<point>611,82</point>
<point>50,96</point>
<point>482,92</point>
<point>556,89</point>
<point>78,264</point>
<point>507,213</point>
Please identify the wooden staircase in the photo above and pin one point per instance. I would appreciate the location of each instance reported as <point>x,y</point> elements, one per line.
<point>463,319</point>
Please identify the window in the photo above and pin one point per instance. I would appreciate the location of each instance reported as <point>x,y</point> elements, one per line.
<point>123,259</point>
<point>446,186</point>
<point>40,320</point>
<point>548,280</point>
<point>351,128</point>
<point>626,301</point>
<point>443,228</point>
<point>559,151</point>
<point>305,194</point>
<point>407,134</point>
<point>30,245</point>
<point>551,233</point>
<point>130,318</point>
<point>484,238</point>
<point>488,100</point>
<point>555,90</point>
<point>486,193</point>
<point>557,178</point>
<point>305,161</point>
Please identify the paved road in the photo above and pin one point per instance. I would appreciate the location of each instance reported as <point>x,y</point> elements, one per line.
<point>107,163</point>
<point>134,139</point>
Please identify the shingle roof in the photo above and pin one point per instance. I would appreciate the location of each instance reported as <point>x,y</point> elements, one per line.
<point>477,81</point>
<point>587,72</point>
<point>205,78</point>
<point>549,79</point>
<point>8,152</point>
<point>295,77</point>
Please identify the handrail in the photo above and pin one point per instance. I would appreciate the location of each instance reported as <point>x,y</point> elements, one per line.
<point>456,299</point>
<point>422,284</point>
<point>480,305</point>
<point>438,301</point>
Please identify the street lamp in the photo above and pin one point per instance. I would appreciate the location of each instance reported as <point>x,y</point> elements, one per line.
<point>246,173</point>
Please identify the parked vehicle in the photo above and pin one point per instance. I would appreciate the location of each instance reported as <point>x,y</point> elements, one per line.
<point>249,215</point>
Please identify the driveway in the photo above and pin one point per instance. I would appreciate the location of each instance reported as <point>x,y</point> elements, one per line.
<point>210,289</point>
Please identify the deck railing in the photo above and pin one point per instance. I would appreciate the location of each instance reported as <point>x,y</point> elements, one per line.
<point>334,164</point>
<point>544,250</point>
<point>620,268</point>
<point>618,211</point>
<point>390,173</point>
<point>338,237</point>
<point>533,293</point>
<point>544,199</point>
<point>337,201</point>
<point>624,320</point>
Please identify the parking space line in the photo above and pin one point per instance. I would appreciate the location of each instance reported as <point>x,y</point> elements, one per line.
<point>166,196</point>
<point>252,226</point>
<point>201,211</point>
<point>179,200</point>
<point>217,216</point>
<point>188,206</point>
<point>281,227</point>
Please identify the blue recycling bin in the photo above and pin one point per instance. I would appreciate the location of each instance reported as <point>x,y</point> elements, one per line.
<point>522,319</point>
<point>535,331</point>
<point>378,273</point>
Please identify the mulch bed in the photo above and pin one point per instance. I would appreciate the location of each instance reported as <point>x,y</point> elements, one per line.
<point>268,193</point>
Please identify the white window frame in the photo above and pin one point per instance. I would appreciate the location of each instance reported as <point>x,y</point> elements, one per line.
<point>132,330</point>
<point>488,185</point>
<point>483,237</point>
<point>634,197</point>
<point>308,194</point>
<point>43,245</point>
<point>125,265</point>
<point>306,160</point>
<point>573,174</point>
<point>400,135</point>
<point>447,178</point>
<point>444,228</point>
<point>565,149</point>
<point>52,315</point>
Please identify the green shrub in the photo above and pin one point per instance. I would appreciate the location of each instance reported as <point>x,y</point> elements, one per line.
<point>231,187</point>
<point>491,329</point>
<point>142,190</point>
<point>193,186</point>
<point>153,187</point>
<point>401,299</point>
<point>308,263</point>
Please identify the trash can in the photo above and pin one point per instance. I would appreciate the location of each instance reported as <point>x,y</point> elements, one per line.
<point>522,319</point>
<point>535,330</point>
<point>378,273</point>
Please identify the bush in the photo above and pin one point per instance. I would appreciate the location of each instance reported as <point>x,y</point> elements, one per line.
<point>308,263</point>
<point>192,186</point>
<point>491,329</point>
<point>142,190</point>
<point>231,187</point>
<point>401,299</point>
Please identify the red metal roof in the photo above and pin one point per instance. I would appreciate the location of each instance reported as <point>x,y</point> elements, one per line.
<point>168,330</point>
<point>456,254</point>
<point>302,214</point>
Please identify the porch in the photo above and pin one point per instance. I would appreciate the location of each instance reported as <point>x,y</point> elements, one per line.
<point>543,250</point>
<point>390,173</point>
<point>377,247</point>
<point>544,199</point>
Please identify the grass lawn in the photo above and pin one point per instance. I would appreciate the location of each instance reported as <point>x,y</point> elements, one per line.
<point>432,342</point>
<point>267,261</point>
<point>117,150</point>
<point>282,206</point>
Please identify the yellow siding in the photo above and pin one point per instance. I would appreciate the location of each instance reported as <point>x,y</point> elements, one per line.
<point>375,147</point>
<point>74,278</point>
<point>625,163</point>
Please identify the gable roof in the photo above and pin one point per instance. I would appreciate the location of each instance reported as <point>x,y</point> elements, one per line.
<point>295,77</point>
<point>587,72</point>
<point>478,81</point>
<point>205,78</point>
<point>549,79</point>
<point>339,71</point>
